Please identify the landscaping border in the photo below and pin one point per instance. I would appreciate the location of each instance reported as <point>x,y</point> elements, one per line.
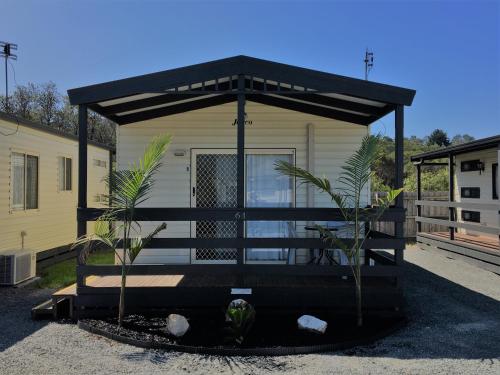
<point>269,351</point>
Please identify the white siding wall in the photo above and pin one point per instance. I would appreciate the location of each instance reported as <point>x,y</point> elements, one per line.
<point>212,128</point>
<point>53,224</point>
<point>482,180</point>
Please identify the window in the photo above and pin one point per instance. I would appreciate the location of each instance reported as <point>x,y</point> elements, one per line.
<point>100,163</point>
<point>65,174</point>
<point>471,165</point>
<point>494,180</point>
<point>470,192</point>
<point>24,181</point>
<point>473,216</point>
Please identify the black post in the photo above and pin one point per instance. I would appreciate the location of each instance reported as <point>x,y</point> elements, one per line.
<point>419,195</point>
<point>399,158</point>
<point>451,193</point>
<point>240,182</point>
<point>82,176</point>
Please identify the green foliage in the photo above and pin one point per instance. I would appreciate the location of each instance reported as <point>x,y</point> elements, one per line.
<point>63,273</point>
<point>130,187</point>
<point>439,137</point>
<point>355,175</point>
<point>240,316</point>
<point>433,178</point>
<point>43,103</point>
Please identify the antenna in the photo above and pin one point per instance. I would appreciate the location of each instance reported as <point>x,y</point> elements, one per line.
<point>6,49</point>
<point>368,63</point>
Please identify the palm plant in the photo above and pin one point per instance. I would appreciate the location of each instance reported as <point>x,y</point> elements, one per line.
<point>116,228</point>
<point>355,175</point>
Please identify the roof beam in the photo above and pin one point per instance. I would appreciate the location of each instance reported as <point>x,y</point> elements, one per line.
<point>309,109</point>
<point>175,109</point>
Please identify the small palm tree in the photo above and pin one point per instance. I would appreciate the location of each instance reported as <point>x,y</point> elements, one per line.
<point>355,176</point>
<point>114,229</point>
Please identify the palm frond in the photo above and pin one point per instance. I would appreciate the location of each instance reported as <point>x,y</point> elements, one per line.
<point>139,243</point>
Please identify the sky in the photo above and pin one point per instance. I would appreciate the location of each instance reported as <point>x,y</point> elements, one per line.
<point>448,51</point>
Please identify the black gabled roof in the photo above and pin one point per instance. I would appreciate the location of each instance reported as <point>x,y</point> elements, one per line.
<point>213,83</point>
<point>47,129</point>
<point>477,145</point>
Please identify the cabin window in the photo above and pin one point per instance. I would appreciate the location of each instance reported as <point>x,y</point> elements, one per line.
<point>473,216</point>
<point>65,174</point>
<point>494,180</point>
<point>470,192</point>
<point>100,163</point>
<point>24,181</point>
<point>471,165</point>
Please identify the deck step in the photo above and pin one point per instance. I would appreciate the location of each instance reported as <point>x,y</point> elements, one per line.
<point>45,310</point>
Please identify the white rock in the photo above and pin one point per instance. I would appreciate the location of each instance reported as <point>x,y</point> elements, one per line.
<point>310,323</point>
<point>177,325</point>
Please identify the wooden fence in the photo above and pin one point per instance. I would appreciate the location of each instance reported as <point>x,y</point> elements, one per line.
<point>410,227</point>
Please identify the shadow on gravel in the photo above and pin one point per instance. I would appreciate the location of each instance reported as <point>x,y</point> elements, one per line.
<point>446,320</point>
<point>15,313</point>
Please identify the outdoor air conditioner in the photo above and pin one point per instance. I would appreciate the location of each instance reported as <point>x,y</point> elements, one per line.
<point>17,266</point>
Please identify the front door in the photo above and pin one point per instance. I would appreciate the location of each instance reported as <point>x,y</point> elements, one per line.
<point>213,180</point>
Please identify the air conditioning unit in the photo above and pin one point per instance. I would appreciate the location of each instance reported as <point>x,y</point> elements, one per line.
<point>17,266</point>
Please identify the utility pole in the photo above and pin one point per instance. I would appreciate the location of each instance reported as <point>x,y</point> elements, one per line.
<point>6,52</point>
<point>368,63</point>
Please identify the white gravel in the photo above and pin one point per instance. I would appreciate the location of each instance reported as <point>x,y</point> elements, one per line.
<point>455,329</point>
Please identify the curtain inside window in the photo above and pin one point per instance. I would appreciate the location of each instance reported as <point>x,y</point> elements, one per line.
<point>31,182</point>
<point>267,188</point>
<point>17,181</point>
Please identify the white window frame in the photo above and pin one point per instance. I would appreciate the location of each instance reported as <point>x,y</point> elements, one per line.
<point>62,173</point>
<point>23,208</point>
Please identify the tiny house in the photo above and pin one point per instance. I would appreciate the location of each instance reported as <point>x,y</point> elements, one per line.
<point>38,187</point>
<point>471,230</point>
<point>235,226</point>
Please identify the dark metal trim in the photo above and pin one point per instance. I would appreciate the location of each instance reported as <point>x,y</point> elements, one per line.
<point>228,214</point>
<point>233,66</point>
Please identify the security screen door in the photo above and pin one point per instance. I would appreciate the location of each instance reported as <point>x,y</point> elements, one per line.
<point>213,179</point>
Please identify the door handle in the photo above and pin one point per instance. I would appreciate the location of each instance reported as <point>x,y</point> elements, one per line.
<point>194,191</point>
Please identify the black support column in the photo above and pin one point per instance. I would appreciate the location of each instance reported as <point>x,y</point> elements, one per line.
<point>451,186</point>
<point>82,177</point>
<point>399,159</point>
<point>419,195</point>
<point>240,187</point>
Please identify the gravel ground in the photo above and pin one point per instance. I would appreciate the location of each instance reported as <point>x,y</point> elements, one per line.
<point>454,312</point>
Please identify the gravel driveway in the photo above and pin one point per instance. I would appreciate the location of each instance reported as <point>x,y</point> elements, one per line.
<point>455,328</point>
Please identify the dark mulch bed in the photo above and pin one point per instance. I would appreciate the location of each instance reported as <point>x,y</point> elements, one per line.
<point>269,331</point>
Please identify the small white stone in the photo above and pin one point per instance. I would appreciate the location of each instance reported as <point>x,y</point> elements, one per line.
<point>177,325</point>
<point>311,323</point>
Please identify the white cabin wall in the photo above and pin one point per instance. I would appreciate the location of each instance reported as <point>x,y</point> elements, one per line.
<point>212,127</point>
<point>53,224</point>
<point>482,180</point>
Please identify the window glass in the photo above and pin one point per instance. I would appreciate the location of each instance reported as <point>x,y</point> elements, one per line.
<point>17,181</point>
<point>31,182</point>
<point>495,181</point>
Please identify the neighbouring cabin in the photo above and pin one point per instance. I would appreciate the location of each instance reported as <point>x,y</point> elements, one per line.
<point>38,189</point>
<point>471,230</point>
<point>236,228</point>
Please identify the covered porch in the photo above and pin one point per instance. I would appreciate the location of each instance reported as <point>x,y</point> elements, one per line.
<point>243,80</point>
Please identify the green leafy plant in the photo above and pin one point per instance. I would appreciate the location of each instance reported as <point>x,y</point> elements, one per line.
<point>347,196</point>
<point>240,315</point>
<point>116,228</point>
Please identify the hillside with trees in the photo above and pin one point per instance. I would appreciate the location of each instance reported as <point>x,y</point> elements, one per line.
<point>43,103</point>
<point>433,178</point>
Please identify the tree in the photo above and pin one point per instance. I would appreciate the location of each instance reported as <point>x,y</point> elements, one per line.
<point>459,139</point>
<point>355,175</point>
<point>439,137</point>
<point>130,188</point>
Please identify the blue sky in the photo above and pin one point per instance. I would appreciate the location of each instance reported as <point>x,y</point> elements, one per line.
<point>449,51</point>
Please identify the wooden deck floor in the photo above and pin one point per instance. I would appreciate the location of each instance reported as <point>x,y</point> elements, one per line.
<point>218,281</point>
<point>486,242</point>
